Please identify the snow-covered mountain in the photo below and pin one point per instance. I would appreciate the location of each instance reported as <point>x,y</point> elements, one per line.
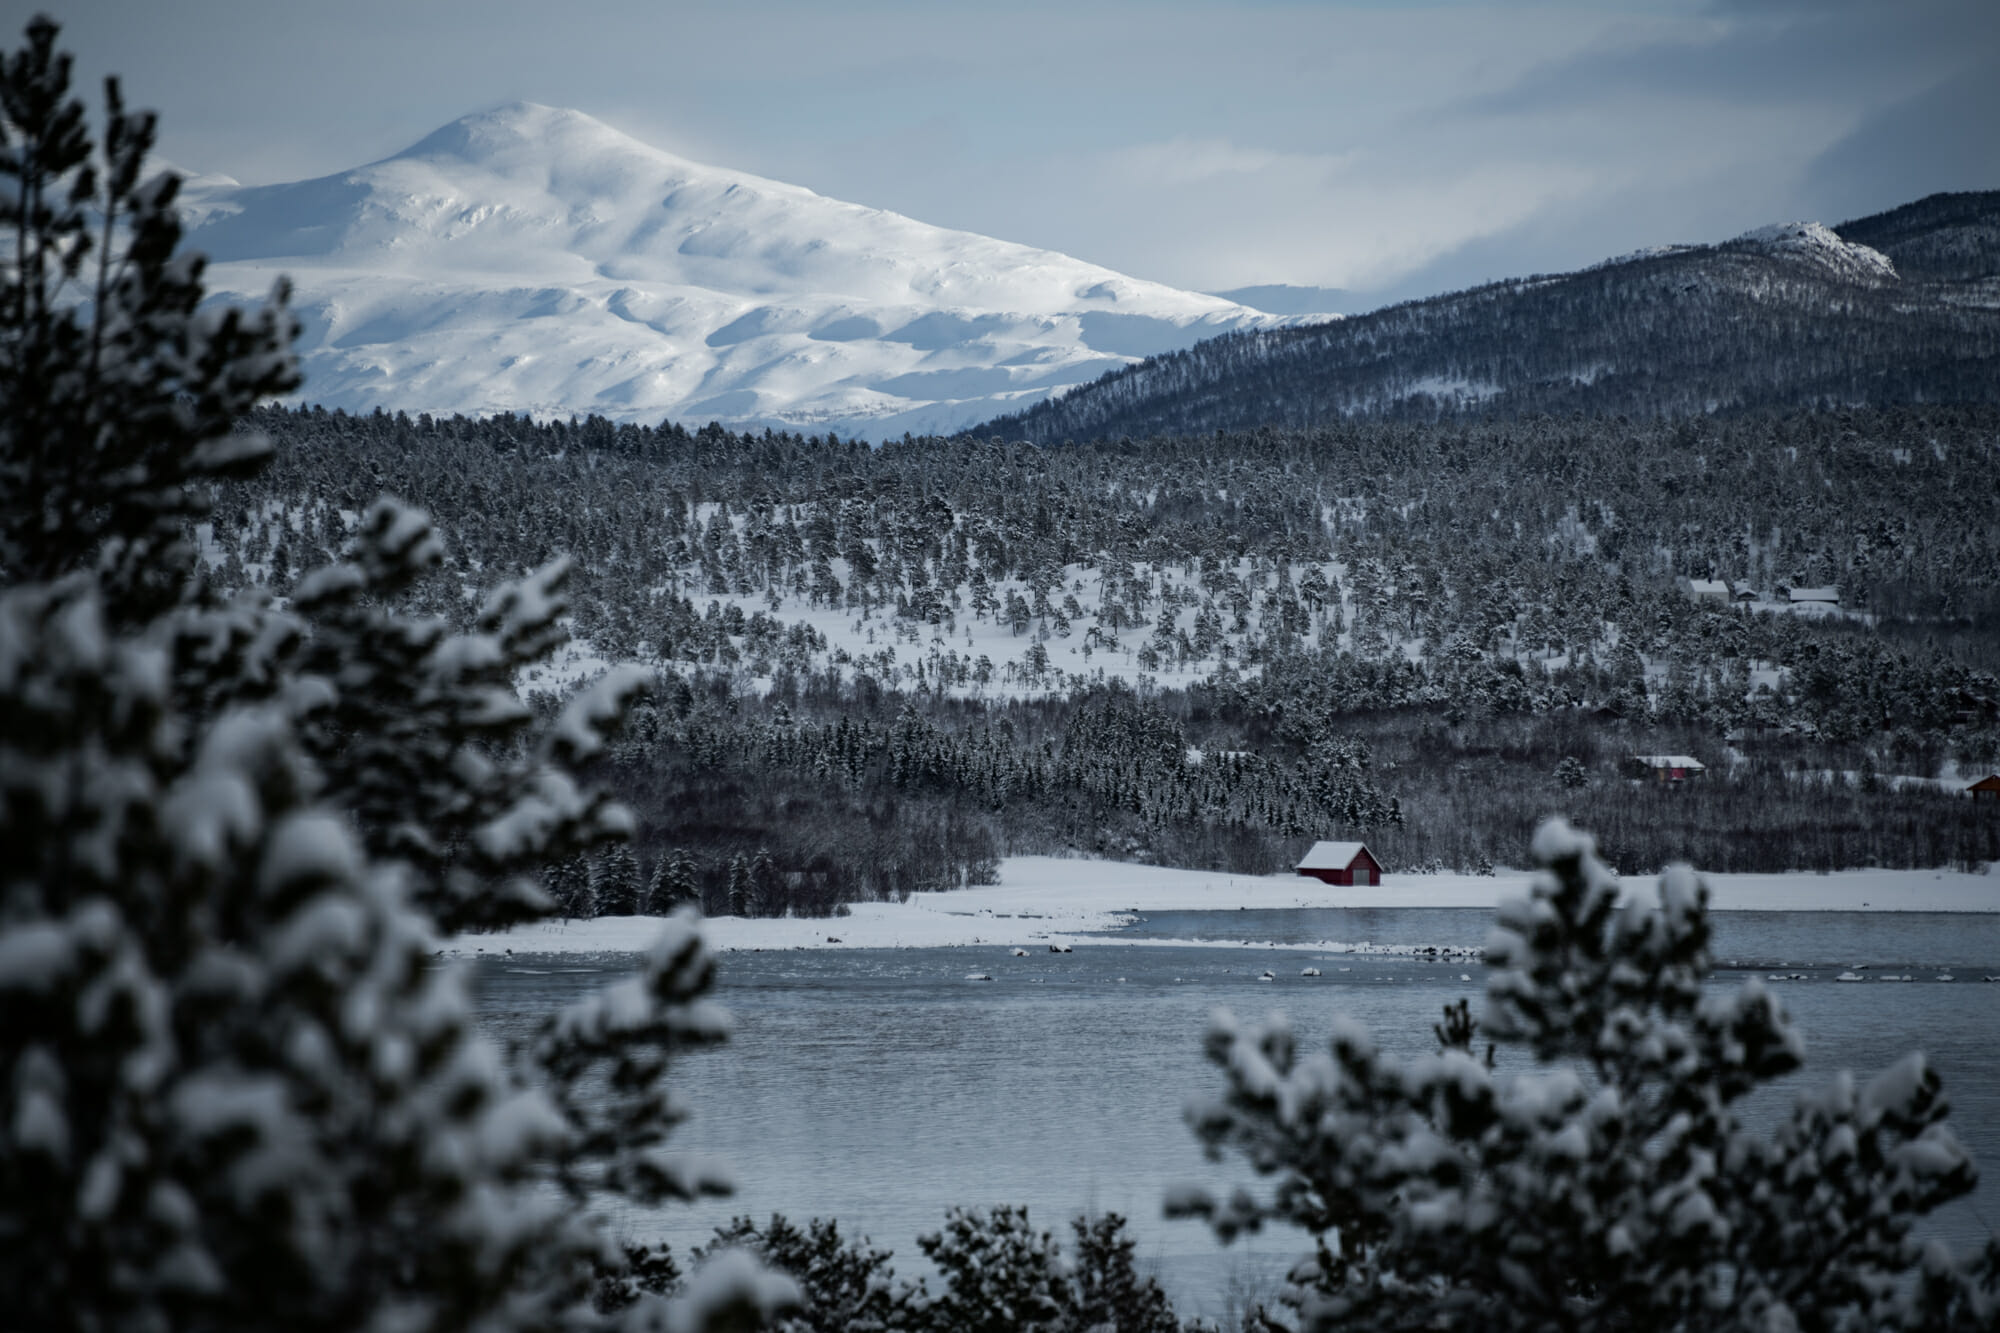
<point>535,259</point>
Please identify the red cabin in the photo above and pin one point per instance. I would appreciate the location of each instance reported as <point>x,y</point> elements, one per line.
<point>1350,864</point>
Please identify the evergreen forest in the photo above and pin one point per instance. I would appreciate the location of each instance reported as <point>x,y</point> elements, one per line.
<point>883,668</point>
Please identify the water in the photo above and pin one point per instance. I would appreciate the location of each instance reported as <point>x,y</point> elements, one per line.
<point>881,1086</point>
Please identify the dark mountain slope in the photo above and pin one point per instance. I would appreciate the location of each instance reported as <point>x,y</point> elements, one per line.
<point>1787,316</point>
<point>1951,238</point>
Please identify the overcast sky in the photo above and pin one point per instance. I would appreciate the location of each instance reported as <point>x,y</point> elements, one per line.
<point>1387,148</point>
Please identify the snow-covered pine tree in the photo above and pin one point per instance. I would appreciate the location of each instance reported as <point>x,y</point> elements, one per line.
<point>233,1094</point>
<point>767,884</point>
<point>425,741</point>
<point>1612,1187</point>
<point>1001,1275</point>
<point>997,1273</point>
<point>119,404</point>
<point>1106,1289</point>
<point>618,883</point>
<point>572,888</point>
<point>845,1285</point>
<point>684,876</point>
<point>657,899</point>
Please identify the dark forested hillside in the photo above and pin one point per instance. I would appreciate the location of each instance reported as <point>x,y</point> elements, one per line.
<point>881,669</point>
<point>1944,238</point>
<point>1797,316</point>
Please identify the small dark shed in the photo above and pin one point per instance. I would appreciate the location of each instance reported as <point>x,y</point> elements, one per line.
<point>1346,863</point>
<point>1987,788</point>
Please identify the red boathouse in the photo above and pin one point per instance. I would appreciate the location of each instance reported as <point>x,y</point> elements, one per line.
<point>1350,864</point>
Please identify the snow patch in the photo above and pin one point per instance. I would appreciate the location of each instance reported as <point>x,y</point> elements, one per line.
<point>1821,244</point>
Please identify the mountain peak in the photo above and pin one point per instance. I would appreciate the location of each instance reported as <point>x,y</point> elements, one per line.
<point>532,258</point>
<point>1818,242</point>
<point>505,132</point>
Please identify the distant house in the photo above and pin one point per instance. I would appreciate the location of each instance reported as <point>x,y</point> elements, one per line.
<point>1668,768</point>
<point>1743,592</point>
<point>1346,863</point>
<point>1987,788</point>
<point>1971,708</point>
<point>1818,596</point>
<point>1706,590</point>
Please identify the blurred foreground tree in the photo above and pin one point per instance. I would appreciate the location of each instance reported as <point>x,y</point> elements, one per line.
<point>1614,1187</point>
<point>119,392</point>
<point>234,1092</point>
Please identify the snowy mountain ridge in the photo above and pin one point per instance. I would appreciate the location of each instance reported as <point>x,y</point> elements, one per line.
<point>1898,307</point>
<point>1811,241</point>
<point>534,259</point>
<point>1821,244</point>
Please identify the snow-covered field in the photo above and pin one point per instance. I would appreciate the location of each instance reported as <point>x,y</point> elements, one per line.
<point>1042,901</point>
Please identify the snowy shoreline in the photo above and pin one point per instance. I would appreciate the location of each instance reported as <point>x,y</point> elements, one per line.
<point>1044,900</point>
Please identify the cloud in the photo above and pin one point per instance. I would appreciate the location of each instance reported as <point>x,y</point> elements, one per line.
<point>1197,161</point>
<point>1941,139</point>
<point>1196,142</point>
<point>1665,125</point>
<point>1236,216</point>
<point>1837,53</point>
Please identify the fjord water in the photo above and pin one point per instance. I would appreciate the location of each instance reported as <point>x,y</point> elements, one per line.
<point>880,1087</point>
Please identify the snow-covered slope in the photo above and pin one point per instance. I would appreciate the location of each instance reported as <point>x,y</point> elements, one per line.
<point>534,259</point>
<point>1819,243</point>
